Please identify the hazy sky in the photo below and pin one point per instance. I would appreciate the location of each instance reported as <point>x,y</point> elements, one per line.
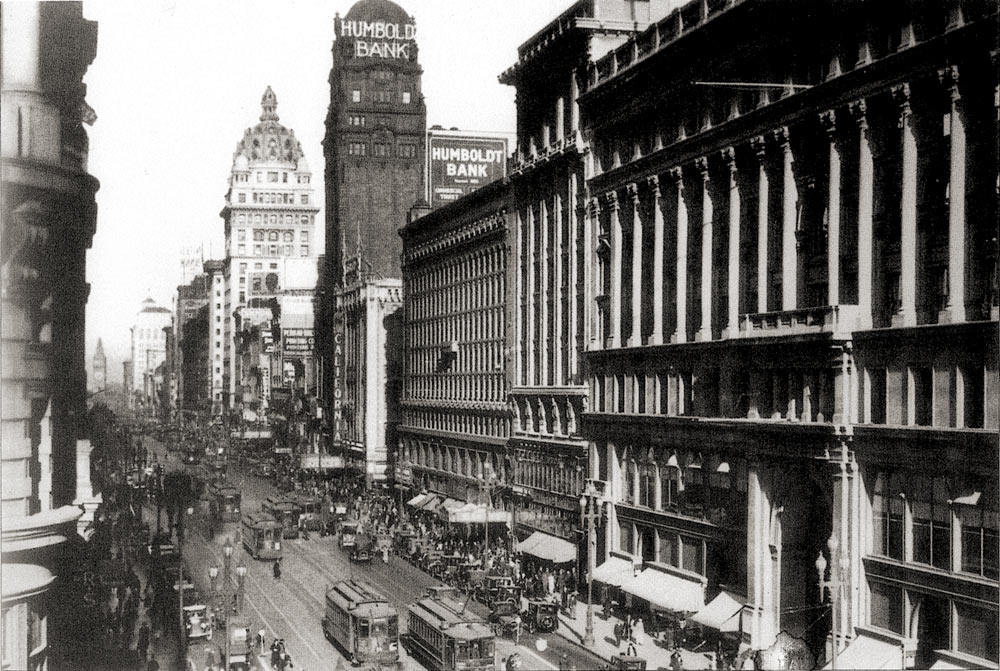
<point>175,84</point>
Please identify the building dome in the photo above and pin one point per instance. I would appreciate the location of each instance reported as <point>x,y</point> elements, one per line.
<point>268,140</point>
<point>378,10</point>
<point>149,305</point>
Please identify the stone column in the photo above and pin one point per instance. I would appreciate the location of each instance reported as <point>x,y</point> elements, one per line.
<point>593,271</point>
<point>707,214</point>
<point>907,313</point>
<point>656,338</point>
<point>544,238</point>
<point>680,330</point>
<point>573,343</point>
<point>529,298</point>
<point>615,308</point>
<point>560,120</point>
<point>558,244</point>
<point>635,340</point>
<point>763,189</point>
<point>733,271</point>
<point>954,310</point>
<point>574,107</point>
<point>829,122</point>
<point>789,250</point>
<point>866,186</point>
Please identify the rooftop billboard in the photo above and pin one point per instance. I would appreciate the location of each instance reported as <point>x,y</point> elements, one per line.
<point>460,163</point>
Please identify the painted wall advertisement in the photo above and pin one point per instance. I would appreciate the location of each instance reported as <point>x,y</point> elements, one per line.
<point>460,164</point>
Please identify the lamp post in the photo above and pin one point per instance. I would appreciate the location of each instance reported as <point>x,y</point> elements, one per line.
<point>591,509</point>
<point>181,638</point>
<point>835,584</point>
<point>487,485</point>
<point>229,597</point>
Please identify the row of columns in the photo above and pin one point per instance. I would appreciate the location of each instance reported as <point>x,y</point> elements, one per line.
<point>789,261</point>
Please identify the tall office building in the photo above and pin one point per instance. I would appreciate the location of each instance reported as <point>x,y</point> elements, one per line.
<point>48,212</point>
<point>270,216</point>
<point>149,350</point>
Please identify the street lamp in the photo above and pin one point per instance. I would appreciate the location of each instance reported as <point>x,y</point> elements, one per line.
<point>591,510</point>
<point>180,580</point>
<point>487,485</point>
<point>835,584</point>
<point>229,597</point>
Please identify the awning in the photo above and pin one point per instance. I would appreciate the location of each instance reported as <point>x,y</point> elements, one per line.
<point>615,571</point>
<point>416,500</point>
<point>868,652</point>
<point>944,664</point>
<point>446,505</point>
<point>667,591</point>
<point>549,548</point>
<point>472,513</point>
<point>430,503</point>
<point>721,613</point>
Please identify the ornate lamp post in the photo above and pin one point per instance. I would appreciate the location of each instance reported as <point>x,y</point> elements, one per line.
<point>591,510</point>
<point>835,584</point>
<point>229,597</point>
<point>181,638</point>
<point>487,485</point>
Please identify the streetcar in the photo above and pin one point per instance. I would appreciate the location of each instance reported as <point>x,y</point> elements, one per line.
<point>261,535</point>
<point>349,532</point>
<point>284,511</point>
<point>363,623</point>
<point>448,636</point>
<point>310,510</point>
<point>224,501</point>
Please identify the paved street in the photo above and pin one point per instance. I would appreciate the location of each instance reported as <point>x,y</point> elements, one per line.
<point>292,607</point>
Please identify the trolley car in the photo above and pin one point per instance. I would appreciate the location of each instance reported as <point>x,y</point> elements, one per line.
<point>224,500</point>
<point>448,636</point>
<point>261,536</point>
<point>311,512</point>
<point>285,512</point>
<point>363,623</point>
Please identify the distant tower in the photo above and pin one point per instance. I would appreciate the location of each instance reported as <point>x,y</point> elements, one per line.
<point>100,368</point>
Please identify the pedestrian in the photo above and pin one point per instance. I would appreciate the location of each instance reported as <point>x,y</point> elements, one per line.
<point>261,640</point>
<point>277,569</point>
<point>142,644</point>
<point>676,660</point>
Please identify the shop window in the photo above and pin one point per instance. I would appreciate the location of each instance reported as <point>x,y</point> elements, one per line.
<point>887,607</point>
<point>887,515</point>
<point>931,522</point>
<point>976,631</point>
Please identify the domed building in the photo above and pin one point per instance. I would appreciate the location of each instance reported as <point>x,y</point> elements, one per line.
<point>149,349</point>
<point>270,217</point>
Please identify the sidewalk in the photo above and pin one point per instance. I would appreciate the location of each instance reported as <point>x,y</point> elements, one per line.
<point>654,652</point>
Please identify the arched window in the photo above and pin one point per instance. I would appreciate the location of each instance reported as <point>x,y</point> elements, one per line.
<point>647,483</point>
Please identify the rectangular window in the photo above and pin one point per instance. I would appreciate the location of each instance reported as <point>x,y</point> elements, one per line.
<point>625,537</point>
<point>887,607</point>
<point>288,250</point>
<point>692,554</point>
<point>304,236</point>
<point>923,396</point>
<point>976,631</point>
<point>357,149</point>
<point>258,236</point>
<point>241,249</point>
<point>406,97</point>
<point>305,199</point>
<point>383,96</point>
<point>980,542</point>
<point>877,383</point>
<point>241,197</point>
<point>380,149</point>
<point>972,381</point>
<point>356,96</point>
<point>304,250</point>
<point>243,269</point>
<point>407,151</point>
<point>258,250</point>
<point>931,521</point>
<point>272,177</point>
<point>241,235</point>
<point>272,250</point>
<point>668,548</point>
<point>887,516</point>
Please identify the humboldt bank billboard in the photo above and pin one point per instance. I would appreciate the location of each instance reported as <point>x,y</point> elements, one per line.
<point>458,164</point>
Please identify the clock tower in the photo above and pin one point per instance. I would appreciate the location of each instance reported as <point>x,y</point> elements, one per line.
<point>100,365</point>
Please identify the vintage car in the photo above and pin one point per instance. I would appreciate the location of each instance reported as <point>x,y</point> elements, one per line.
<point>349,531</point>
<point>363,548</point>
<point>198,623</point>
<point>541,616</point>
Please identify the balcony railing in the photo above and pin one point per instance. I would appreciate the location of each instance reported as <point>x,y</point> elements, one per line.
<point>838,320</point>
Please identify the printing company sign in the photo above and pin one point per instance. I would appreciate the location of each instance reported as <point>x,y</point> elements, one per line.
<point>458,165</point>
<point>298,341</point>
<point>377,39</point>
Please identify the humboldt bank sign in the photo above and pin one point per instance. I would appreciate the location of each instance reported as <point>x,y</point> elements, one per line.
<point>377,39</point>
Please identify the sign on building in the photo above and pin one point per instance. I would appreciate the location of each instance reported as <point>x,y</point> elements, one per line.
<point>337,361</point>
<point>460,163</point>
<point>297,341</point>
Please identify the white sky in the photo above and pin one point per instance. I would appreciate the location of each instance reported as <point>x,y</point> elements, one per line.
<point>176,83</point>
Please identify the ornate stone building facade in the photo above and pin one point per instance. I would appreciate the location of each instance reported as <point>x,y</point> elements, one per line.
<point>794,361</point>
<point>549,262</point>
<point>270,217</point>
<point>49,212</point>
<point>454,415</point>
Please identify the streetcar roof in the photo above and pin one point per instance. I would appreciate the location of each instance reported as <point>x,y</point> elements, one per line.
<point>359,594</point>
<point>452,616</point>
<point>260,520</point>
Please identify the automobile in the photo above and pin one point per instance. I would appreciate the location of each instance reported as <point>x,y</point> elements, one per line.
<point>541,616</point>
<point>362,549</point>
<point>349,531</point>
<point>627,663</point>
<point>198,623</point>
